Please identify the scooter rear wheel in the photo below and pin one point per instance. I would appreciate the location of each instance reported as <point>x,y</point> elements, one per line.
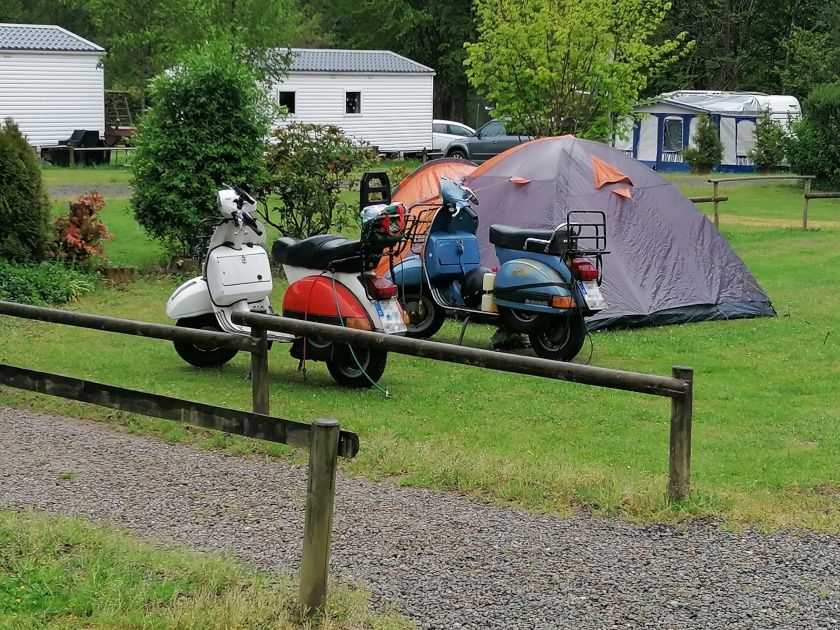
<point>357,367</point>
<point>201,355</point>
<point>563,342</point>
<point>528,322</point>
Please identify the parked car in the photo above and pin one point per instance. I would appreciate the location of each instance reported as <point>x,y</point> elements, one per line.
<point>488,141</point>
<point>444,131</point>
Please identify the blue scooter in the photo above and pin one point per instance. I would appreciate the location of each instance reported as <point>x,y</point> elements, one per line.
<point>547,281</point>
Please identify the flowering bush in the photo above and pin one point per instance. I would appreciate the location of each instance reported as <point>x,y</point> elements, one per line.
<point>81,232</point>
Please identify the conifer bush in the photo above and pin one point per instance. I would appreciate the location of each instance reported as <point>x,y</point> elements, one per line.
<point>25,232</point>
<point>707,151</point>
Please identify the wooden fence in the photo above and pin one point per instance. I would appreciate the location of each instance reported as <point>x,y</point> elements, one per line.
<point>678,387</point>
<point>72,151</point>
<point>323,438</point>
<point>716,198</point>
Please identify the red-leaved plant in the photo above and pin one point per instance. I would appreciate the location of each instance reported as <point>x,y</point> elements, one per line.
<point>80,232</point>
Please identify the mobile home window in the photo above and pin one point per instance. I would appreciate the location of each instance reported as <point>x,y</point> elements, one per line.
<point>353,103</point>
<point>287,100</point>
<point>673,137</point>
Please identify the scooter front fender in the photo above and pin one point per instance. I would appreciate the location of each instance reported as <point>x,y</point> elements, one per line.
<point>408,273</point>
<point>529,285</point>
<point>189,300</point>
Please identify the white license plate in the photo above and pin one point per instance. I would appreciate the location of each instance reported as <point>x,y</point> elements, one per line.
<point>593,296</point>
<point>391,315</point>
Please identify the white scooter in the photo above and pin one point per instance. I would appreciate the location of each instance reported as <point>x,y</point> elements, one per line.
<point>330,281</point>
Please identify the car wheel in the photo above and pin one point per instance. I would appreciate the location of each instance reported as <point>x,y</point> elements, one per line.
<point>458,154</point>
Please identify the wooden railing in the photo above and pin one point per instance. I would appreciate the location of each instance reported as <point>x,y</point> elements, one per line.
<point>323,438</point>
<point>717,198</point>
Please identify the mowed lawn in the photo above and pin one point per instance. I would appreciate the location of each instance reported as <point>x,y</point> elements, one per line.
<point>767,402</point>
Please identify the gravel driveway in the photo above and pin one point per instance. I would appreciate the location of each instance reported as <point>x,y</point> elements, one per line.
<point>446,560</point>
<point>74,190</point>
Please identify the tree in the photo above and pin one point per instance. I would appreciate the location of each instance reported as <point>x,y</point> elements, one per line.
<point>769,149</point>
<point>707,151</point>
<point>431,32</point>
<point>813,149</point>
<point>25,234</point>
<point>308,168</point>
<point>207,126</point>
<point>543,62</point>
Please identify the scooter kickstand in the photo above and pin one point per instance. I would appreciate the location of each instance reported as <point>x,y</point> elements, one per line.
<point>464,330</point>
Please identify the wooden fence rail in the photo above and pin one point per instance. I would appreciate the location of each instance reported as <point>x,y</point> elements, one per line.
<point>324,438</point>
<point>678,387</point>
<point>717,198</point>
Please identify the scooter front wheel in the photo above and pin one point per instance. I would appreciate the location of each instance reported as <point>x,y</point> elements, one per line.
<point>562,342</point>
<point>357,367</point>
<point>425,316</point>
<point>202,355</point>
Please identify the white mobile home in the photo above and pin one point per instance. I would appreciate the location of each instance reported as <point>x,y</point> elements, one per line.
<point>51,82</point>
<point>665,127</point>
<point>374,96</point>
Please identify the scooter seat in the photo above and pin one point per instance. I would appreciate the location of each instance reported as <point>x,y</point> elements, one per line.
<point>315,252</point>
<point>511,237</point>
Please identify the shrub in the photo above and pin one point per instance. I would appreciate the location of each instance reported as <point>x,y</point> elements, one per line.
<point>707,151</point>
<point>47,282</point>
<point>308,167</point>
<point>813,148</point>
<point>769,150</point>
<point>207,126</point>
<point>80,232</point>
<point>24,207</point>
<point>396,174</point>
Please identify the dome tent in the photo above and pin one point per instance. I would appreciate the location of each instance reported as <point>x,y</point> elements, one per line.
<point>667,264</point>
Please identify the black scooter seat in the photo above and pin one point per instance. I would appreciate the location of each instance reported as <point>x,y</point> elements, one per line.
<point>315,252</point>
<point>511,237</point>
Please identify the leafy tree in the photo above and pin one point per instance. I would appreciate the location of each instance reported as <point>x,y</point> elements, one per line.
<point>813,59</point>
<point>24,207</point>
<point>707,151</point>
<point>207,126</point>
<point>813,149</point>
<point>431,32</point>
<point>769,149</point>
<point>543,62</point>
<point>308,168</point>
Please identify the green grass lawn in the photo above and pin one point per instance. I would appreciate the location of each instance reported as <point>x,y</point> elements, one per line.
<point>767,407</point>
<point>65,574</point>
<point>85,175</point>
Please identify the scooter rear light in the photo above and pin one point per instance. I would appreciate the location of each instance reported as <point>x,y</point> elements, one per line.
<point>358,323</point>
<point>380,288</point>
<point>584,270</point>
<point>562,301</point>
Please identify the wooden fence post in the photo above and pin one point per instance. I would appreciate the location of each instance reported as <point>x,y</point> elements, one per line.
<point>317,529</point>
<point>679,464</point>
<point>717,203</point>
<point>259,371</point>
<point>805,207</point>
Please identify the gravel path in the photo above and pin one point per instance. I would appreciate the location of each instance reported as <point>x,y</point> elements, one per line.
<point>74,190</point>
<point>446,560</point>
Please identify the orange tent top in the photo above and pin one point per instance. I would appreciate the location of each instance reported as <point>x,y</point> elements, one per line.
<point>607,174</point>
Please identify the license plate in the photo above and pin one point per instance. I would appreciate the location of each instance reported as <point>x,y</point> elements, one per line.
<point>592,295</point>
<point>391,315</point>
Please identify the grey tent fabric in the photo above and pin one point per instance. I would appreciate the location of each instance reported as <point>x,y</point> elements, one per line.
<point>667,264</point>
